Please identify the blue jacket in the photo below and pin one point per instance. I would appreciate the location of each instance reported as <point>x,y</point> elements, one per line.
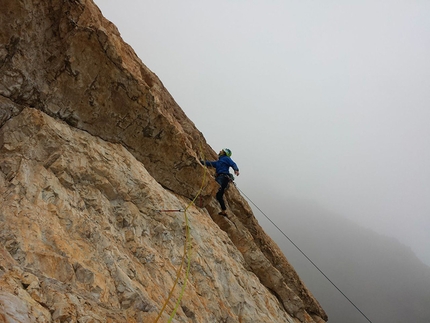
<point>222,165</point>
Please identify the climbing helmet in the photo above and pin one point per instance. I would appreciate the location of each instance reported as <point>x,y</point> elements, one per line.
<point>227,152</point>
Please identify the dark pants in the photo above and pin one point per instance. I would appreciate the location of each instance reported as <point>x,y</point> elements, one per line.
<point>223,181</point>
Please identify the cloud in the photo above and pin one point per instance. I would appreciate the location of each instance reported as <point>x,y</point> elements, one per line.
<point>322,101</point>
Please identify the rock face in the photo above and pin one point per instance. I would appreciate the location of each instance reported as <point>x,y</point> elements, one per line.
<point>93,150</point>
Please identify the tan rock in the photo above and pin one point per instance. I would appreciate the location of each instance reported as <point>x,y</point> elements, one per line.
<point>92,146</point>
<point>78,245</point>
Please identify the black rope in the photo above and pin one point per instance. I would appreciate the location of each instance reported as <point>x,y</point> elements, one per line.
<point>179,210</point>
<point>292,242</point>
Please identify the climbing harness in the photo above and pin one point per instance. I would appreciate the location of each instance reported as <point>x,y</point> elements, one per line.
<point>229,176</point>
<point>187,251</point>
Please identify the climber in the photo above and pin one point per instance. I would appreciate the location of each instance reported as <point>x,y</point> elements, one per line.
<point>222,175</point>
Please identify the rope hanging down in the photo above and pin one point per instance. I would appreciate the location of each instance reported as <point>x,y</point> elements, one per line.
<point>292,242</point>
<point>187,251</point>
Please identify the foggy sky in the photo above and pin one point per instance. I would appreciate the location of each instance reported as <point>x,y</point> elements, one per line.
<point>317,100</point>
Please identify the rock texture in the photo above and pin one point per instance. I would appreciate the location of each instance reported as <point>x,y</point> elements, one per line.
<point>92,147</point>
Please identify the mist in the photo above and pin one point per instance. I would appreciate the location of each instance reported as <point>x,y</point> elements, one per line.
<point>318,101</point>
<point>324,101</point>
<point>379,276</point>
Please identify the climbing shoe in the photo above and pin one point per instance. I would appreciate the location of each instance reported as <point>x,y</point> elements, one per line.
<point>223,213</point>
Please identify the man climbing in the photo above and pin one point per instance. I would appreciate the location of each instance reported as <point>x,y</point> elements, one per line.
<point>222,175</point>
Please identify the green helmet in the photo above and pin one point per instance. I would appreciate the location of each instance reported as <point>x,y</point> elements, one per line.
<point>227,152</point>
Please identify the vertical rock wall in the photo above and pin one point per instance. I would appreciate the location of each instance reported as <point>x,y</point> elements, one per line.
<point>65,70</point>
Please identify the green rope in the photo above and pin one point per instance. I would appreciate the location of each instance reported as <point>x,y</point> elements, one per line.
<point>188,242</point>
<point>187,252</point>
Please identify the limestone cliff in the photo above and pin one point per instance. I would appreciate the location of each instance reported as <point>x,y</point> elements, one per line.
<point>92,147</point>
